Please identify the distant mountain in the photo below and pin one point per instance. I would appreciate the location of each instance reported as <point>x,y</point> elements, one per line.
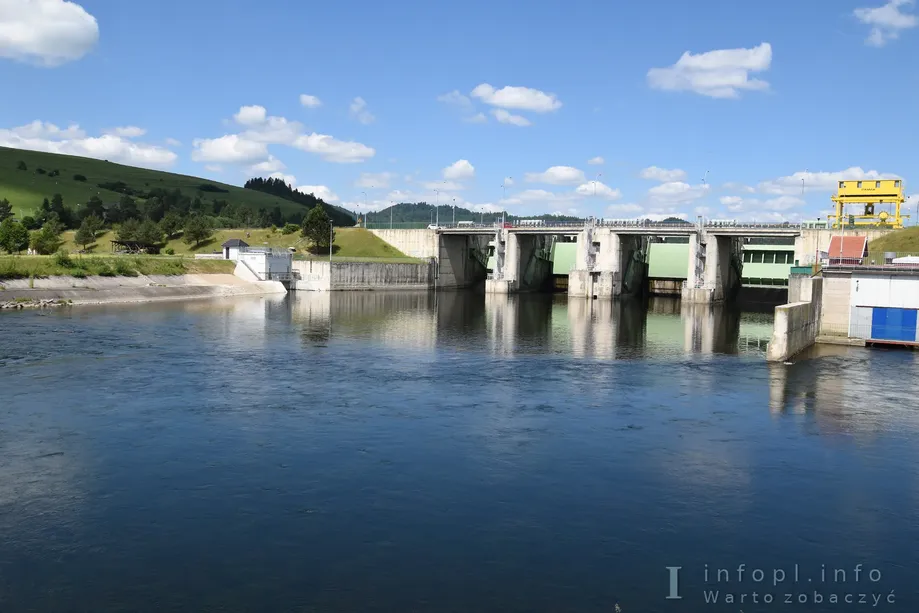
<point>422,212</point>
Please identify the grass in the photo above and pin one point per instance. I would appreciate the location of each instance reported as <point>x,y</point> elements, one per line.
<point>32,266</point>
<point>903,241</point>
<point>350,244</point>
<point>25,189</point>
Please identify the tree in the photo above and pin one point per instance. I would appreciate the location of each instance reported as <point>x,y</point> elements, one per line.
<point>127,231</point>
<point>81,178</point>
<point>30,223</point>
<point>93,208</point>
<point>14,237</point>
<point>126,209</point>
<point>149,232</point>
<point>47,240</point>
<point>197,229</point>
<point>170,225</point>
<point>317,228</point>
<point>21,166</point>
<point>84,236</point>
<point>6,209</point>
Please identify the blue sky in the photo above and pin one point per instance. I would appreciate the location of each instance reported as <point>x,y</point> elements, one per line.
<point>729,110</point>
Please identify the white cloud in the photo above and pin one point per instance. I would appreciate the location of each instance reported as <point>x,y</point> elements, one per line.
<point>268,167</point>
<point>477,118</point>
<point>557,175</point>
<point>310,102</point>
<point>662,174</point>
<point>443,186</point>
<point>818,181</point>
<point>320,191</point>
<point>172,142</point>
<point>250,115</point>
<point>676,192</point>
<point>213,168</point>
<point>599,189</point>
<point>289,179</point>
<point>597,161</point>
<point>359,111</point>
<point>626,209</point>
<point>455,98</point>
<point>333,150</point>
<point>378,180</point>
<point>508,181</point>
<point>518,98</point>
<point>228,149</point>
<point>717,74</point>
<point>886,21</point>
<point>46,32</point>
<point>459,170</point>
<point>515,120</point>
<point>738,187</point>
<point>39,136</point>
<point>127,132</point>
<point>781,208</point>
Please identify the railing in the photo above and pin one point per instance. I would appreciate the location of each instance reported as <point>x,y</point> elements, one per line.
<point>888,260</point>
<point>598,223</point>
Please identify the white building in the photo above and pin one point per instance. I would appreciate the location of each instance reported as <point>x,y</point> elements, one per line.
<point>231,248</point>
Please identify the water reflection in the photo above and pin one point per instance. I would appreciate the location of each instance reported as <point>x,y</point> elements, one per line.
<point>503,325</point>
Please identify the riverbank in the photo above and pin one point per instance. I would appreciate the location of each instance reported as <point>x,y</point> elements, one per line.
<point>63,290</point>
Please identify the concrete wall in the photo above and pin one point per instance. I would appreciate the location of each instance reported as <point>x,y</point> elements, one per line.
<point>369,276</point>
<point>796,324</point>
<point>879,290</point>
<point>413,243</point>
<point>835,311</point>
<point>103,290</point>
<point>456,266</point>
<point>812,241</point>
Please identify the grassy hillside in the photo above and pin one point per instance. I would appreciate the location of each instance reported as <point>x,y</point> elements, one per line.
<point>906,240</point>
<point>26,189</point>
<point>349,243</point>
<point>21,267</point>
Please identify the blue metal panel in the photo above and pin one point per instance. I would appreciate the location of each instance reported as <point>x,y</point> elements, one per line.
<point>889,324</point>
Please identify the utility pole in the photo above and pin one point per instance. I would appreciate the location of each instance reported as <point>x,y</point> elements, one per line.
<point>391,207</point>
<point>503,198</point>
<point>437,207</point>
<point>454,211</point>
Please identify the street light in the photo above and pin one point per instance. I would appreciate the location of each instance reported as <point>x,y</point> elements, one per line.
<point>504,197</point>
<point>391,207</point>
<point>454,211</point>
<point>437,207</point>
<point>365,209</point>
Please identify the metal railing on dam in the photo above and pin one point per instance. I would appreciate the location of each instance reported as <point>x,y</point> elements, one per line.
<point>600,223</point>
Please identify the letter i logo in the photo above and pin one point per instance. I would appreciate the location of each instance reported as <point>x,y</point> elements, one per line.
<point>674,572</point>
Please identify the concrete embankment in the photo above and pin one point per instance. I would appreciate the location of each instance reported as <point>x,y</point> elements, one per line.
<point>102,290</point>
<point>315,276</point>
<point>797,323</point>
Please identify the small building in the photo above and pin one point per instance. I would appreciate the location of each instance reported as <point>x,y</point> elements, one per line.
<point>845,251</point>
<point>264,264</point>
<point>231,248</point>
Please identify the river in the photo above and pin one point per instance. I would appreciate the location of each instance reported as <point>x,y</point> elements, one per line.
<point>411,452</point>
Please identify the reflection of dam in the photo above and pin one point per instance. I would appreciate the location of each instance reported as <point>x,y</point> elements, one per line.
<point>531,324</point>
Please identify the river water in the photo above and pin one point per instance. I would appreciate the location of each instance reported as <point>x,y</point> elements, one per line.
<point>406,452</point>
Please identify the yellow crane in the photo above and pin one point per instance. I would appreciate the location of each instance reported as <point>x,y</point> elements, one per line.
<point>869,198</point>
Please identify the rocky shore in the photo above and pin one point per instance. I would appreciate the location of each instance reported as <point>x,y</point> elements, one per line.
<point>34,304</point>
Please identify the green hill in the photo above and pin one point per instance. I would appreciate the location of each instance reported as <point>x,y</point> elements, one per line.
<point>47,174</point>
<point>902,241</point>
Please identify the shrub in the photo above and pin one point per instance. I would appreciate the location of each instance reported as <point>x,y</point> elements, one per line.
<point>169,251</point>
<point>41,171</point>
<point>79,178</point>
<point>290,228</point>
<point>62,258</point>
<point>54,173</point>
<point>21,166</point>
<point>78,274</point>
<point>123,269</point>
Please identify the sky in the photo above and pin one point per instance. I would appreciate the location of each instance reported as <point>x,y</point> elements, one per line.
<point>621,110</point>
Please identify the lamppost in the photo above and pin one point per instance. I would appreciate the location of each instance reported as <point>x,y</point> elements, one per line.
<point>504,197</point>
<point>437,207</point>
<point>366,210</point>
<point>454,211</point>
<point>391,207</point>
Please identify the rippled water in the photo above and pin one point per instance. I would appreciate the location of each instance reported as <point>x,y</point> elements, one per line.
<point>401,452</point>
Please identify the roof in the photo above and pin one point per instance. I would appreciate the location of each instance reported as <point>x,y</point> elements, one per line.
<point>235,242</point>
<point>848,247</point>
